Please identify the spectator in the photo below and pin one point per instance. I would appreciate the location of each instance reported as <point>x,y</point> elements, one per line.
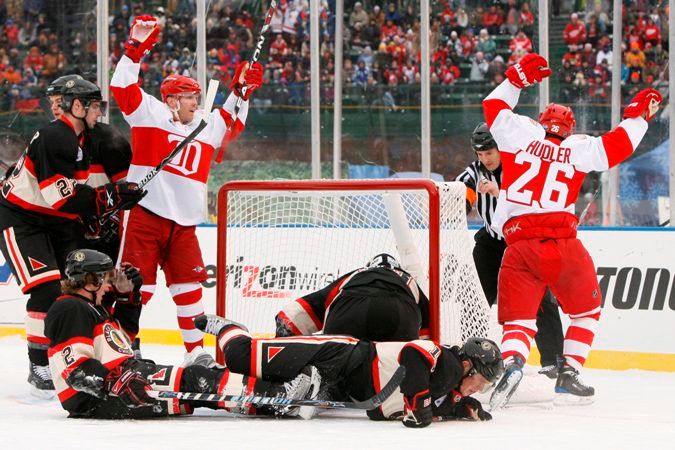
<point>526,19</point>
<point>360,75</point>
<point>10,76</point>
<point>34,60</point>
<point>635,58</point>
<point>605,53</point>
<point>521,41</point>
<point>479,67</point>
<point>512,22</point>
<point>370,35</point>
<point>393,14</point>
<point>651,32</point>
<point>291,16</point>
<point>574,33</point>
<point>359,16</point>
<point>462,20</point>
<point>377,15</point>
<point>492,20</point>
<point>486,44</point>
<point>389,30</point>
<point>468,43</point>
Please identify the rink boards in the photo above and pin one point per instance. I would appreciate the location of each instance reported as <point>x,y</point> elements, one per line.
<point>636,272</point>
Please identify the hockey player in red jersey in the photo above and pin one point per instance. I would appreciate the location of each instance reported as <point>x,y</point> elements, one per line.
<point>439,380</point>
<point>95,372</point>
<point>544,166</point>
<point>176,196</point>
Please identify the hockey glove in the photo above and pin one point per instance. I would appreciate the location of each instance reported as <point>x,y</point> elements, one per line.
<point>531,69</point>
<point>113,196</point>
<point>455,406</point>
<point>142,37</point>
<point>417,410</point>
<point>107,233</point>
<point>128,282</point>
<point>644,104</point>
<point>251,77</point>
<point>130,386</point>
<point>89,383</point>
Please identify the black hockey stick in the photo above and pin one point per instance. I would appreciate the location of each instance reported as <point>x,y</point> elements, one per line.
<point>371,403</point>
<point>211,92</point>
<point>254,58</point>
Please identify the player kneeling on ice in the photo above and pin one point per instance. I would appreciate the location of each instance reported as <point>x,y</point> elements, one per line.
<point>378,302</point>
<point>93,365</point>
<point>544,166</point>
<point>439,380</point>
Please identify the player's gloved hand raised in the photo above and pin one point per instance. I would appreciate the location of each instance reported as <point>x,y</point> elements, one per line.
<point>251,77</point>
<point>142,37</point>
<point>644,104</point>
<point>417,410</point>
<point>128,282</point>
<point>122,195</point>
<point>130,386</point>
<point>531,69</point>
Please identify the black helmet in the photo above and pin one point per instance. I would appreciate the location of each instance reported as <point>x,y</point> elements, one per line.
<point>485,357</point>
<point>56,86</point>
<point>84,261</point>
<point>481,139</point>
<point>81,89</point>
<point>383,260</point>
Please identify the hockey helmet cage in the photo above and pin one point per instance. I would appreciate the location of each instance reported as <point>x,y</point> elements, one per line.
<point>481,138</point>
<point>383,260</point>
<point>178,84</point>
<point>56,86</point>
<point>485,356</point>
<point>83,90</point>
<point>81,262</point>
<point>558,120</point>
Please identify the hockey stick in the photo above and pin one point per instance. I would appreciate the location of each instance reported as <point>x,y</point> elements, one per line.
<point>254,59</point>
<point>211,92</point>
<point>368,404</point>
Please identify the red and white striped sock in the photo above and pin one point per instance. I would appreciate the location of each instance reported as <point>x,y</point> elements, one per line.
<point>147,291</point>
<point>188,300</point>
<point>517,339</point>
<point>579,337</point>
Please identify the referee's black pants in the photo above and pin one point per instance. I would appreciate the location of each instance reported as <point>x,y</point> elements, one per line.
<point>487,255</point>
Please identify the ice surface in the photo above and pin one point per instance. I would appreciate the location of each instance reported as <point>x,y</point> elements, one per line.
<point>633,410</point>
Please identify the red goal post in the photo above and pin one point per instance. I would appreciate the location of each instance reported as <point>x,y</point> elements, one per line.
<point>278,240</point>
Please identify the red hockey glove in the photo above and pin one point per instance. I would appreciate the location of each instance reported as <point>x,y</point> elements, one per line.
<point>122,195</point>
<point>531,69</point>
<point>251,77</point>
<point>130,386</point>
<point>142,37</point>
<point>417,410</point>
<point>644,104</point>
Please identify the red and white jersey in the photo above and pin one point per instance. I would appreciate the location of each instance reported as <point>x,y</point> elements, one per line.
<point>178,192</point>
<point>542,175</point>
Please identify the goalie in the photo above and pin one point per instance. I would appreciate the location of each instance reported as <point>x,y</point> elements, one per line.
<point>439,380</point>
<point>176,198</point>
<point>378,302</point>
<point>92,363</point>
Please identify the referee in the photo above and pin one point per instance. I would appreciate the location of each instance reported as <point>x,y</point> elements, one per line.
<point>483,180</point>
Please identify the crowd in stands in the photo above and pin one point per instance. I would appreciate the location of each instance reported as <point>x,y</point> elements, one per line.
<point>468,44</point>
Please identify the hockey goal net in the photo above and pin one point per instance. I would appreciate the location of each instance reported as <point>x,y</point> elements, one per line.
<point>278,240</point>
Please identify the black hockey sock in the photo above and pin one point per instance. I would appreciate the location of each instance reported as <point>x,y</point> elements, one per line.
<point>38,356</point>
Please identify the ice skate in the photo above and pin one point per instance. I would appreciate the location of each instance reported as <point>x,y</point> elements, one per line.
<point>213,324</point>
<point>40,379</point>
<point>305,386</point>
<point>513,374</point>
<point>199,357</point>
<point>570,389</point>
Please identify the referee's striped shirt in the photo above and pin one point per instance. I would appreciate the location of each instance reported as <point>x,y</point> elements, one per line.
<point>485,203</point>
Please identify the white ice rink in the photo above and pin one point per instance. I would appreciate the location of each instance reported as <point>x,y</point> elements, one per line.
<point>633,410</point>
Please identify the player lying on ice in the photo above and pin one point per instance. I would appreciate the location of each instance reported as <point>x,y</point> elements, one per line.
<point>93,365</point>
<point>439,380</point>
<point>544,166</point>
<point>378,302</point>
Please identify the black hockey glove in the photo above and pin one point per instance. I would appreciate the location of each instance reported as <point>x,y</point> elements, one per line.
<point>461,408</point>
<point>91,384</point>
<point>130,386</point>
<point>417,411</point>
<point>107,233</point>
<point>128,282</point>
<point>122,195</point>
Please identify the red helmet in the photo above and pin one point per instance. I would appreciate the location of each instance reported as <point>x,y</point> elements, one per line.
<point>178,84</point>
<point>558,120</point>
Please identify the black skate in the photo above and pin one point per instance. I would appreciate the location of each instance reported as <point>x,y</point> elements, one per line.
<point>551,371</point>
<point>136,348</point>
<point>570,389</point>
<point>40,379</point>
<point>513,374</point>
<point>213,324</point>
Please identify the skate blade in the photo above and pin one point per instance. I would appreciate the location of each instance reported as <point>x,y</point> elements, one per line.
<point>307,412</point>
<point>561,399</point>
<point>41,394</point>
<point>501,397</point>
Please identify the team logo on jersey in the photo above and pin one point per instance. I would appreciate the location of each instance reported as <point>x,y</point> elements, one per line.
<point>115,340</point>
<point>35,264</point>
<point>272,352</point>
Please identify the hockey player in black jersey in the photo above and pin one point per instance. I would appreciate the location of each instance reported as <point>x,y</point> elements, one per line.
<point>378,302</point>
<point>92,362</point>
<point>439,380</point>
<point>483,179</point>
<point>40,203</point>
<point>109,154</point>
